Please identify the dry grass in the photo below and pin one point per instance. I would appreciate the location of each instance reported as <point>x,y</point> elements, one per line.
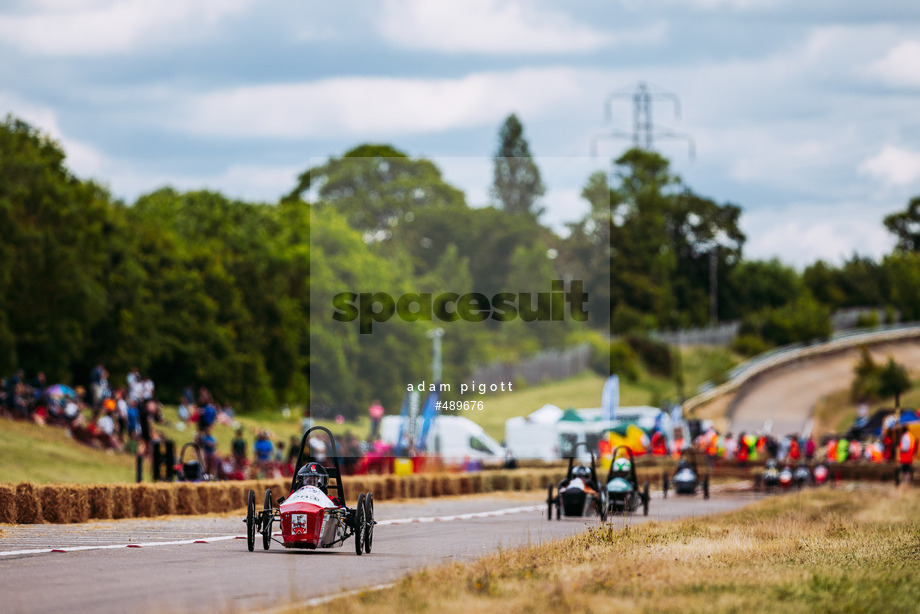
<point>817,551</point>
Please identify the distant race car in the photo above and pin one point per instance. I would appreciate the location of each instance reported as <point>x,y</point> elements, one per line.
<point>191,470</point>
<point>309,517</point>
<point>579,494</point>
<point>769,478</point>
<point>686,479</point>
<point>821,473</point>
<point>801,476</point>
<point>623,493</point>
<point>786,477</point>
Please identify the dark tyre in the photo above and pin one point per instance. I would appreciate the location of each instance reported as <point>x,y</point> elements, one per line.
<point>602,507</point>
<point>251,521</point>
<point>664,484</point>
<point>267,518</point>
<point>359,525</point>
<point>706,487</point>
<point>645,498</point>
<point>369,519</point>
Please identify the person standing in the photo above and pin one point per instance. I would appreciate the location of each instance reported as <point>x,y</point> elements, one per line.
<point>376,412</point>
<point>907,448</point>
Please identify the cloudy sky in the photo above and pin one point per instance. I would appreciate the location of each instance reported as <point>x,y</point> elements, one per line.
<point>809,118</point>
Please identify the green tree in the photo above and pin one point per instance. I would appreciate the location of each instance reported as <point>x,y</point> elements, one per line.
<point>893,381</point>
<point>377,188</point>
<point>906,226</point>
<point>52,248</point>
<point>516,181</point>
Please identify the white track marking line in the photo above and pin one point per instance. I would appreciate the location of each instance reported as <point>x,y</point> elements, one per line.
<point>206,540</point>
<point>310,603</point>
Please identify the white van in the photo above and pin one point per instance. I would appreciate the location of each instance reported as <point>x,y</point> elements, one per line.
<point>453,437</point>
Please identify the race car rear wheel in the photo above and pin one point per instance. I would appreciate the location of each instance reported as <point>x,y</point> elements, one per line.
<point>267,517</point>
<point>369,519</point>
<point>359,525</point>
<point>645,498</point>
<point>706,487</point>
<point>549,503</point>
<point>251,520</point>
<point>664,484</point>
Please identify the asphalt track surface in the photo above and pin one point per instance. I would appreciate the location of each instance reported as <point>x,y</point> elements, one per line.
<point>173,571</point>
<point>789,396</point>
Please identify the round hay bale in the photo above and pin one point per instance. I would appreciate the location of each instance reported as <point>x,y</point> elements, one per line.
<point>101,505</point>
<point>28,505</point>
<point>8,504</point>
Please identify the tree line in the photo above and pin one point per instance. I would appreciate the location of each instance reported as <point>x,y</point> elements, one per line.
<point>197,288</point>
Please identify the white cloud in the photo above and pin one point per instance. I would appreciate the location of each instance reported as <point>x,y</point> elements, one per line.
<point>101,27</point>
<point>83,159</point>
<point>800,234</point>
<point>893,166</point>
<point>493,26</point>
<point>364,107</point>
<point>901,65</point>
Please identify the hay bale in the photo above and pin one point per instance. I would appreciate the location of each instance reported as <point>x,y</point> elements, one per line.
<point>164,496</point>
<point>55,501</point>
<point>101,505</point>
<point>187,502</point>
<point>78,497</point>
<point>236,495</point>
<point>428,486</point>
<point>8,504</point>
<point>143,501</point>
<point>122,503</point>
<point>204,498</point>
<point>28,505</point>
<point>220,499</point>
<point>476,483</point>
<point>390,487</point>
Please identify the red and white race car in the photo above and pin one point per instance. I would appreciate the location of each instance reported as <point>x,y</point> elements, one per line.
<point>311,517</point>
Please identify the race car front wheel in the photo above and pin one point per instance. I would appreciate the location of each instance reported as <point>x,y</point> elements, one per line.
<point>369,520</point>
<point>267,517</point>
<point>359,525</point>
<point>251,520</point>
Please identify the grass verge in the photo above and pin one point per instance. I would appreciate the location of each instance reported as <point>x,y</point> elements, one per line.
<point>816,551</point>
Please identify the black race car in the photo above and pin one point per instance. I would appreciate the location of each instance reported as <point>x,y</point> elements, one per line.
<point>769,478</point>
<point>686,479</point>
<point>579,494</point>
<point>623,493</point>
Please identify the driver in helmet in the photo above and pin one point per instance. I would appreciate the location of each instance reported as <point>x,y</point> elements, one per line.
<point>312,474</point>
<point>621,467</point>
<point>583,474</point>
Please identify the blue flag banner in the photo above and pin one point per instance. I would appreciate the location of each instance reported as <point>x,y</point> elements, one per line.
<point>610,398</point>
<point>429,413</point>
<point>404,415</point>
